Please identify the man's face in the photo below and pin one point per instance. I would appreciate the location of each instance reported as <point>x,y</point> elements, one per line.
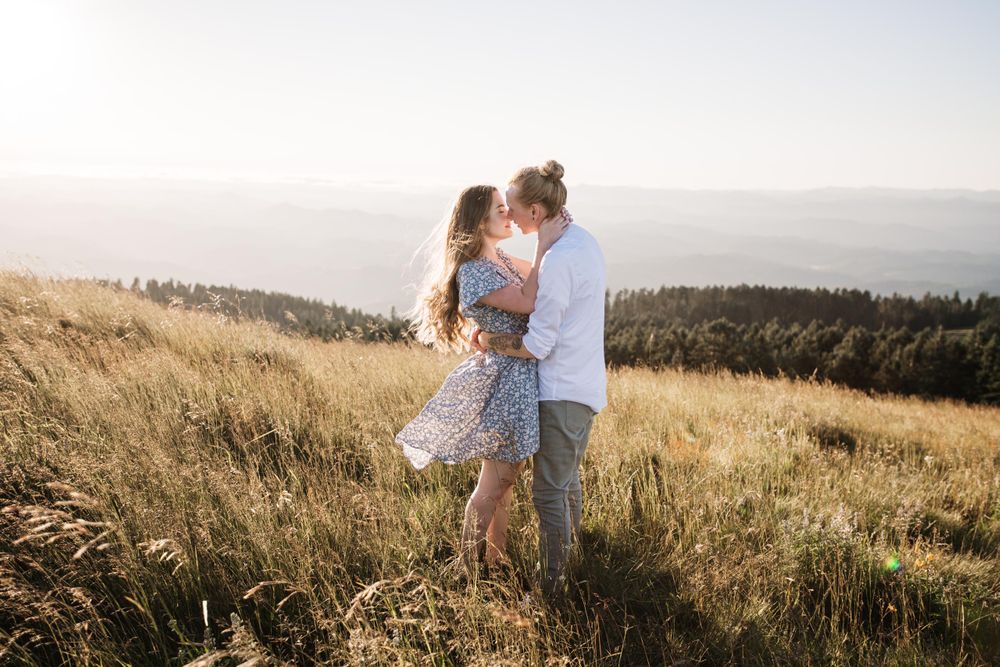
<point>521,214</point>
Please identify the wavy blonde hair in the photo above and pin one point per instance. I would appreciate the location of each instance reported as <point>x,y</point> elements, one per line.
<point>436,318</point>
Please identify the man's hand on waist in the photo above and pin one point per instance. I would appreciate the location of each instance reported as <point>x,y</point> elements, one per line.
<point>510,344</point>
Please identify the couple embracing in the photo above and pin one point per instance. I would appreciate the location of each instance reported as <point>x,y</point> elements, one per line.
<point>537,378</point>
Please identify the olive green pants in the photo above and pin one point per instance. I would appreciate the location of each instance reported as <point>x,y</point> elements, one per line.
<point>564,428</point>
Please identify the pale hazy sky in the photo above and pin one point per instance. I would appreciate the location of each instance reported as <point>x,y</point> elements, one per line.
<point>693,94</point>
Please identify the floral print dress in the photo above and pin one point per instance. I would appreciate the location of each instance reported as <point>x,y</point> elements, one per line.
<point>488,406</point>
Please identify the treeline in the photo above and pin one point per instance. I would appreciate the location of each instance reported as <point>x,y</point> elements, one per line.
<point>292,314</point>
<point>934,346</point>
<point>745,304</point>
<point>929,362</point>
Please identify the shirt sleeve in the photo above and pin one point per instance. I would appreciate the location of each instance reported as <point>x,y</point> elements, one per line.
<point>476,280</point>
<point>555,285</point>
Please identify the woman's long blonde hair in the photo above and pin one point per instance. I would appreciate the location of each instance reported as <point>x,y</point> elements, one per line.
<point>436,318</point>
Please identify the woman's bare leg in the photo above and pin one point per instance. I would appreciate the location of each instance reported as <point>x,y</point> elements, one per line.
<point>496,534</point>
<point>495,488</point>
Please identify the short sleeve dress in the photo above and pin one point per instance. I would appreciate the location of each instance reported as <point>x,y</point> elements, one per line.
<point>488,406</point>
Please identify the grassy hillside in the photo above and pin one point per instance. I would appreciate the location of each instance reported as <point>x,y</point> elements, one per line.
<point>160,466</point>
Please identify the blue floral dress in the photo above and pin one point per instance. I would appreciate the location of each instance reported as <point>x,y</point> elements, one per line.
<point>488,406</point>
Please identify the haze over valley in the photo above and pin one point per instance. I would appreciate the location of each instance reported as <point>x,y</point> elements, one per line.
<point>355,244</point>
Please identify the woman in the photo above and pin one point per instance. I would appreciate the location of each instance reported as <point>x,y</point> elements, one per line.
<point>488,406</point>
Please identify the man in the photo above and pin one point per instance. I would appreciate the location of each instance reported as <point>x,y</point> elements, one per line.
<point>566,335</point>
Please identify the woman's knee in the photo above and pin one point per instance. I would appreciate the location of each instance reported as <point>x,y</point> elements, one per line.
<point>506,474</point>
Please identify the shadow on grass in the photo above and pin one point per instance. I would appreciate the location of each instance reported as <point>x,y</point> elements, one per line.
<point>833,436</point>
<point>978,536</point>
<point>845,592</point>
<point>631,610</point>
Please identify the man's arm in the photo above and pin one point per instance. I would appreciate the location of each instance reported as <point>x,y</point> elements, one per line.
<point>521,299</point>
<point>509,344</point>
<point>554,289</point>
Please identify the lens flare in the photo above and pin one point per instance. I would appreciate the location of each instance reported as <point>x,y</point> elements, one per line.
<point>891,564</point>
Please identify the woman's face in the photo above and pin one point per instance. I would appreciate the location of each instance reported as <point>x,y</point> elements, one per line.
<point>498,222</point>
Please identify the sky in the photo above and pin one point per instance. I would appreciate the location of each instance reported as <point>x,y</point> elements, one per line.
<point>704,95</point>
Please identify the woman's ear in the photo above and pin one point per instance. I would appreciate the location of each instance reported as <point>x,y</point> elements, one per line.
<point>535,211</point>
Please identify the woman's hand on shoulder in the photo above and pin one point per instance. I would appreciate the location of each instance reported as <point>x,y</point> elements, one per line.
<point>552,228</point>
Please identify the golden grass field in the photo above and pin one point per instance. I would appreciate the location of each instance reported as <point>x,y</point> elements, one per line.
<point>154,458</point>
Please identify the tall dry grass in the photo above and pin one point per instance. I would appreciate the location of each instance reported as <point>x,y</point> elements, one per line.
<point>162,467</point>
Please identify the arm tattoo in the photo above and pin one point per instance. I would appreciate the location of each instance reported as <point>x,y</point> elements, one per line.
<point>504,342</point>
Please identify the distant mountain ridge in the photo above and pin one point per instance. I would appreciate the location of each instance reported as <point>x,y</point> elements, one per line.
<point>357,246</point>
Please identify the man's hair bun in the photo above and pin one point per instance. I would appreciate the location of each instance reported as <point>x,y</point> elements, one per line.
<point>541,185</point>
<point>552,171</point>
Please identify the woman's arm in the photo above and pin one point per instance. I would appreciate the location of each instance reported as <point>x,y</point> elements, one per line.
<point>521,299</point>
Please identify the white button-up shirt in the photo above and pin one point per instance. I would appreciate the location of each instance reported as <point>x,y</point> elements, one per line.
<point>566,330</point>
